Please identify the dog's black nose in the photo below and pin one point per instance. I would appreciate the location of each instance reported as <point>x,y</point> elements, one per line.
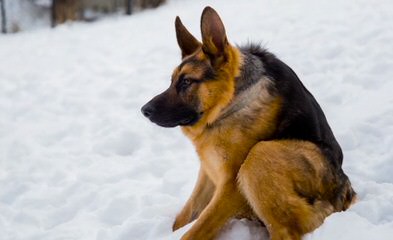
<point>147,110</point>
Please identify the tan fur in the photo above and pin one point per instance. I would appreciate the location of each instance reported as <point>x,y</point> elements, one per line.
<point>191,71</point>
<point>268,178</point>
<point>200,197</point>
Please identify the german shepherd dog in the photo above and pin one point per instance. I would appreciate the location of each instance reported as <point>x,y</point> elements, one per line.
<point>266,149</point>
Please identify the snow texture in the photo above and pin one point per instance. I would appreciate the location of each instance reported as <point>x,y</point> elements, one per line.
<point>79,161</point>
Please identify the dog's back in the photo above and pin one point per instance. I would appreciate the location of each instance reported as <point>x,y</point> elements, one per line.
<point>300,117</point>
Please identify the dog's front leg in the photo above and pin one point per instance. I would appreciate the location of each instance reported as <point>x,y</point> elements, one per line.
<point>200,197</point>
<point>226,203</point>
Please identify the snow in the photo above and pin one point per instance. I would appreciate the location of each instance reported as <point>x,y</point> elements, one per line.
<point>79,161</point>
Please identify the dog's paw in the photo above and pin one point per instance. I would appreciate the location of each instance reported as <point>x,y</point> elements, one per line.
<point>183,218</point>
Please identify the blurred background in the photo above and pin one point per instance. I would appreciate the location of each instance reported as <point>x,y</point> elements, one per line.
<point>21,15</point>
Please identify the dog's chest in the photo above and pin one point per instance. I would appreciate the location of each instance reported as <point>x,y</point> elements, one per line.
<point>222,154</point>
<point>213,161</point>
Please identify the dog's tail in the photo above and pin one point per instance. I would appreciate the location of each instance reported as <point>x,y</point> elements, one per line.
<point>347,195</point>
<point>350,197</point>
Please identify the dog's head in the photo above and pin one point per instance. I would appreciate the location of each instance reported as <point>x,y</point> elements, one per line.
<point>203,83</point>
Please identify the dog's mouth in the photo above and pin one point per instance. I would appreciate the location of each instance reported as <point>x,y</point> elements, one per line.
<point>166,114</point>
<point>191,120</point>
<point>186,122</point>
<point>183,122</point>
<point>168,122</point>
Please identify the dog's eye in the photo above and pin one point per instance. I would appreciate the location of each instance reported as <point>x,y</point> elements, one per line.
<point>187,81</point>
<point>184,83</point>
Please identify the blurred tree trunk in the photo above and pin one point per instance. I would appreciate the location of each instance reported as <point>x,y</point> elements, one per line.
<point>128,7</point>
<point>141,4</point>
<point>3,19</point>
<point>151,3</point>
<point>64,10</point>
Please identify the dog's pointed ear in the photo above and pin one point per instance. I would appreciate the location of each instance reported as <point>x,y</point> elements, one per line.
<point>187,42</point>
<point>214,38</point>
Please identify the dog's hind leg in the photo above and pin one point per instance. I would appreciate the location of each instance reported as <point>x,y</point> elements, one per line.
<point>270,179</point>
<point>200,197</point>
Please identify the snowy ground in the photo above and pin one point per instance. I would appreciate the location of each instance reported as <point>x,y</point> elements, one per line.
<point>79,161</point>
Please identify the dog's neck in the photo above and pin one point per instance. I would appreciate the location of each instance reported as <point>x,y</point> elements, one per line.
<point>251,85</point>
